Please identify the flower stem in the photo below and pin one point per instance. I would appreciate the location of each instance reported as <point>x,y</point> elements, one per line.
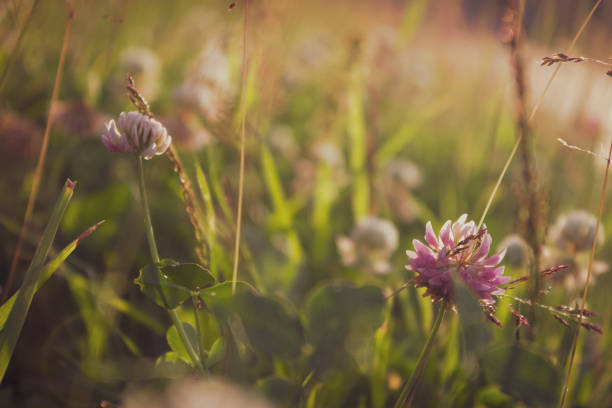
<point>199,331</point>
<point>410,386</point>
<point>155,257</point>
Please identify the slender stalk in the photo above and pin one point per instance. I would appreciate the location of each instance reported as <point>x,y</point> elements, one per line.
<point>200,333</point>
<point>242,146</point>
<point>41,157</point>
<point>145,204</point>
<point>155,257</point>
<point>570,366</point>
<point>410,386</point>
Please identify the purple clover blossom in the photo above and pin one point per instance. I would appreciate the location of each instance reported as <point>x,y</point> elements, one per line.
<point>460,248</point>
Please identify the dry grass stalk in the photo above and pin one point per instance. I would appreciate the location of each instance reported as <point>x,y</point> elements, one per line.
<point>531,201</point>
<point>242,145</point>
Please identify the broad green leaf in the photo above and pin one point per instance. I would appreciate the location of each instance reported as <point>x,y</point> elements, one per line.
<point>171,365</point>
<point>160,289</point>
<point>493,397</point>
<point>216,353</point>
<point>280,390</point>
<point>176,344</point>
<point>189,275</point>
<point>14,323</point>
<point>269,326</point>
<point>344,314</point>
<point>219,295</point>
<point>523,374</point>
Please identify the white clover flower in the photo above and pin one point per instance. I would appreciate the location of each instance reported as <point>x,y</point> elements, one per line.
<point>575,231</point>
<point>137,133</point>
<point>201,98</point>
<point>517,250</point>
<point>405,173</point>
<point>371,243</point>
<point>145,66</point>
<point>207,88</point>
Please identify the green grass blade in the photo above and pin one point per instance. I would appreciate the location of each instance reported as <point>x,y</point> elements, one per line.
<point>357,141</point>
<point>282,212</point>
<point>46,273</point>
<point>210,221</point>
<point>14,323</point>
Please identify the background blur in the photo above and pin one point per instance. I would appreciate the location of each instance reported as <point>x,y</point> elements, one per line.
<point>403,110</point>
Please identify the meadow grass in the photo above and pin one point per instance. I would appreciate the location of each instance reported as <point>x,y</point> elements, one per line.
<point>311,143</point>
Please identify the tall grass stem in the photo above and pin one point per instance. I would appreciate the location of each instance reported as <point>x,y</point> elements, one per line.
<point>242,146</point>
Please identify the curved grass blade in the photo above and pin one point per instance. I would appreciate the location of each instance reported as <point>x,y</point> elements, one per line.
<point>47,272</point>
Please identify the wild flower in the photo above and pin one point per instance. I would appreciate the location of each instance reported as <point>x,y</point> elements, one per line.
<point>461,249</point>
<point>404,173</point>
<point>574,232</point>
<point>145,66</point>
<point>398,179</point>
<point>137,133</point>
<point>282,140</point>
<point>371,243</point>
<point>517,250</point>
<point>78,118</point>
<point>19,136</point>
<point>187,132</point>
<point>207,88</point>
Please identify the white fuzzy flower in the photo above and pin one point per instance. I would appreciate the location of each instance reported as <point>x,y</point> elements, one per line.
<point>371,243</point>
<point>575,231</point>
<point>145,66</point>
<point>138,133</point>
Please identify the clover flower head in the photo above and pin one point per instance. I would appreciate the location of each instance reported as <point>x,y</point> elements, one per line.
<point>137,133</point>
<point>145,66</point>
<point>371,244</point>
<point>461,249</point>
<point>404,173</point>
<point>517,250</point>
<point>575,231</point>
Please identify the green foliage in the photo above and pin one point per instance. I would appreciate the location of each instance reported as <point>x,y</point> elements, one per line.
<point>177,346</point>
<point>522,374</point>
<point>35,274</point>
<point>344,316</point>
<point>270,327</point>
<point>171,283</point>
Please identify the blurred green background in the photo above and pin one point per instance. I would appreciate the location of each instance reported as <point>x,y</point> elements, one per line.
<point>403,111</point>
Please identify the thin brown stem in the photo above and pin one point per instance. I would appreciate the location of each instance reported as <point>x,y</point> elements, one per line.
<point>42,155</point>
<point>602,200</point>
<point>242,145</point>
